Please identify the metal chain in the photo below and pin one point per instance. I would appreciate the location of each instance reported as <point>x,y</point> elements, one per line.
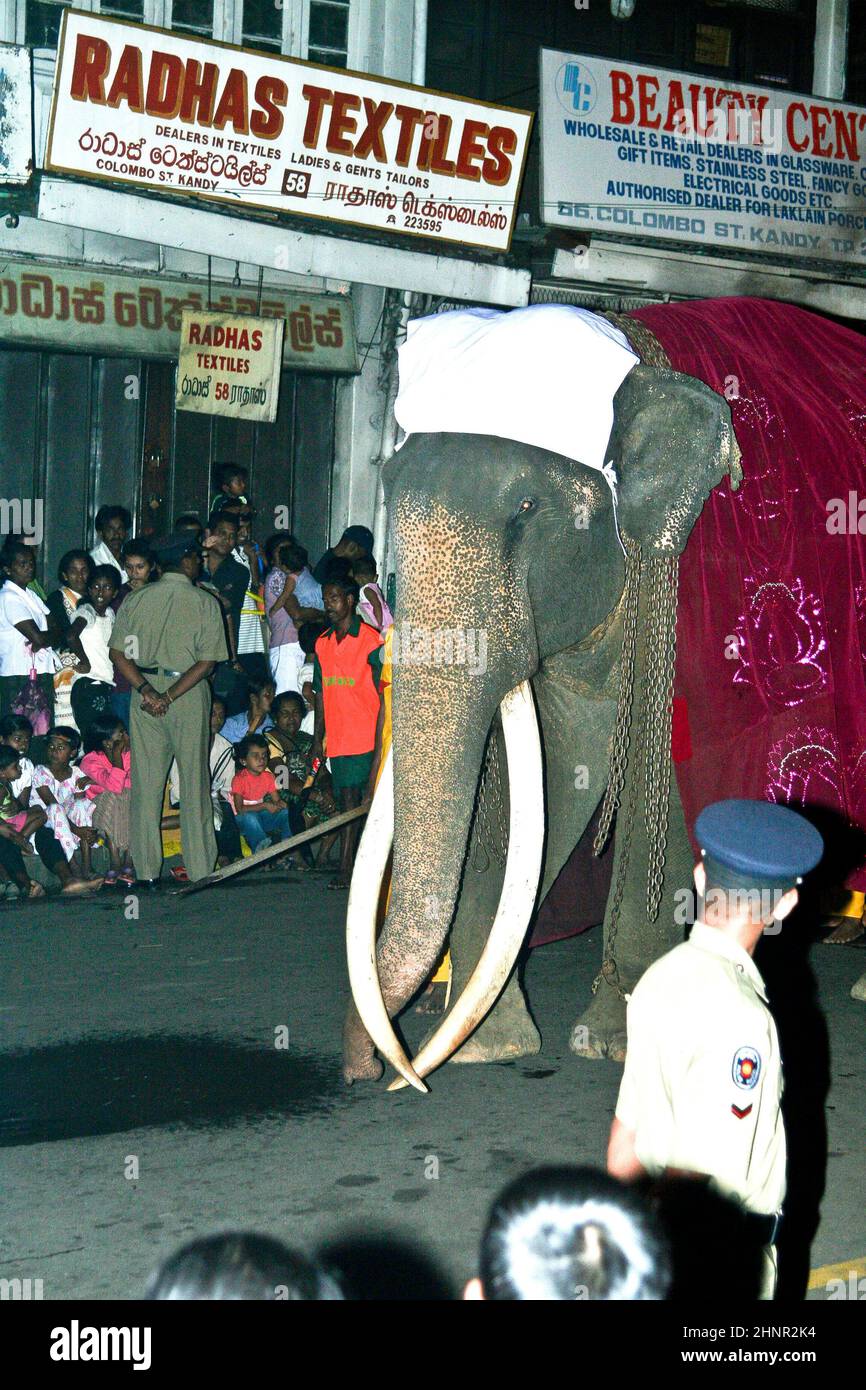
<point>620,743</point>
<point>661,657</point>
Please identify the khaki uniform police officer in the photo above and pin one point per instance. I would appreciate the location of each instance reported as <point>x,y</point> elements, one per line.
<point>702,1084</point>
<point>166,639</point>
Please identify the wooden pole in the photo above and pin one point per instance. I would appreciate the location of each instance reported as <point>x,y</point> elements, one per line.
<point>273,850</point>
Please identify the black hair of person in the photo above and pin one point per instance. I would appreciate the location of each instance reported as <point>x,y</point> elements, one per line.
<point>572,1234</point>
<point>218,700</point>
<point>240,1265</point>
<point>8,755</point>
<point>12,546</point>
<point>247,742</point>
<point>67,559</point>
<point>136,546</point>
<point>365,565</point>
<point>224,472</point>
<point>15,724</point>
<point>216,517</point>
<point>273,542</point>
<point>106,514</point>
<point>65,731</point>
<point>110,572</point>
<point>309,634</point>
<point>189,521</point>
<point>288,697</point>
<point>293,555</point>
<point>256,684</point>
<point>100,728</point>
<point>346,586</point>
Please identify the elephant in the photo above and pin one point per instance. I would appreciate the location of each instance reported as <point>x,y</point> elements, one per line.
<point>574,697</point>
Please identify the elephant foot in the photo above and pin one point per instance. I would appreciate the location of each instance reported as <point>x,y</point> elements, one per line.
<point>500,1044</point>
<point>362,1069</point>
<point>600,1032</point>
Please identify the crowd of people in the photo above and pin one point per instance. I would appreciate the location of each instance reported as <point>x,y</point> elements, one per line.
<point>234,672</point>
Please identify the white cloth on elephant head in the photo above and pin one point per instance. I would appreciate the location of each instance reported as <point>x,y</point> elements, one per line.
<point>545,375</point>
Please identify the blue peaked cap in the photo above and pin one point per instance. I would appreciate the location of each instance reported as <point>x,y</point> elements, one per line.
<point>759,839</point>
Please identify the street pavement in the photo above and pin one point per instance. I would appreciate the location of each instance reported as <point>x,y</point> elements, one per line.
<point>175,1073</point>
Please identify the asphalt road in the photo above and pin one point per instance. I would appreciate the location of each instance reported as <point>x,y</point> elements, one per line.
<point>177,1074</point>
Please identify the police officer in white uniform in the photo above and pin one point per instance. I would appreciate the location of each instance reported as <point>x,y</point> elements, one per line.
<point>702,1083</point>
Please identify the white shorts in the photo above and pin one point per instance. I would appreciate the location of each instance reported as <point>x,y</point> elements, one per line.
<point>286,663</point>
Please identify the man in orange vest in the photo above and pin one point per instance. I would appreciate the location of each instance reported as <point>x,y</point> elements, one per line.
<point>346,672</point>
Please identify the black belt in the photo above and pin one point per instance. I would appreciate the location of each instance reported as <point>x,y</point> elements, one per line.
<point>158,671</point>
<point>764,1230</point>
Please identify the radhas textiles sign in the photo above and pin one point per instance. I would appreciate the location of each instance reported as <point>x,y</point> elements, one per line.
<point>642,152</point>
<point>229,365</point>
<point>142,106</point>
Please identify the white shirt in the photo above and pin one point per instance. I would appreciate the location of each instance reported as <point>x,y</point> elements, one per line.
<point>101,555</point>
<point>95,640</point>
<point>26,778</point>
<point>703,1076</point>
<point>17,657</point>
<point>545,375</point>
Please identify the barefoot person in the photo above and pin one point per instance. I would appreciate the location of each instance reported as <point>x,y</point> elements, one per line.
<point>346,685</point>
<point>23,832</point>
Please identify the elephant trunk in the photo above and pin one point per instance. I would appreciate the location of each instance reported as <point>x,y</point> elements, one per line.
<point>443,706</point>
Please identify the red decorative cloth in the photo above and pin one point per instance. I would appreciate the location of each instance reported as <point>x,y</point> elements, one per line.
<point>771,627</point>
<point>770,688</point>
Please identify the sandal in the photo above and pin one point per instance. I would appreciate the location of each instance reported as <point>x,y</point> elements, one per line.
<point>34,891</point>
<point>126,876</point>
<point>179,874</point>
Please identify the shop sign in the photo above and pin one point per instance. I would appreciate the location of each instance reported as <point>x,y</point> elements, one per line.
<point>16,115</point>
<point>176,115</point>
<point>641,152</point>
<point>229,364</point>
<point>89,311</point>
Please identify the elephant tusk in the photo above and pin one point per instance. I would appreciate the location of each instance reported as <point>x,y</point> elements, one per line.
<point>361,913</point>
<point>519,886</point>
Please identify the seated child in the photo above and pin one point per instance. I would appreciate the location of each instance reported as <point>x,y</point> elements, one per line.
<point>259,812</point>
<point>371,601</point>
<point>106,762</point>
<point>17,732</point>
<point>23,831</point>
<point>61,789</point>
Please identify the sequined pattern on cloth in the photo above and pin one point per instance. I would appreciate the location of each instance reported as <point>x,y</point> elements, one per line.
<point>803,769</point>
<point>780,642</point>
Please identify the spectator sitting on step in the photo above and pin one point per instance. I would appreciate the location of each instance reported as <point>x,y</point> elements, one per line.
<point>256,718</point>
<point>222,770</point>
<point>259,812</point>
<point>17,732</point>
<point>62,789</point>
<point>567,1235</point>
<point>106,762</point>
<point>23,829</point>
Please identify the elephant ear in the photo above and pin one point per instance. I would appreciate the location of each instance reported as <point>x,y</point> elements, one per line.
<point>672,441</point>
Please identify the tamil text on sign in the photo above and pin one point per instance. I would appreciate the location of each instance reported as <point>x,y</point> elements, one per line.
<point>141,106</point>
<point>229,365</point>
<point>635,151</point>
<point>85,308</point>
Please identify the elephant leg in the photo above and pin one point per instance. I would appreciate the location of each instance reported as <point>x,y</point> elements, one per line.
<point>631,942</point>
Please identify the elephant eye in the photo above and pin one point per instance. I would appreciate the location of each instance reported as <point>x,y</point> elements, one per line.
<point>527,505</point>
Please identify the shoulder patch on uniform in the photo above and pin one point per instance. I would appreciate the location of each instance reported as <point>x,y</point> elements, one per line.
<point>746,1068</point>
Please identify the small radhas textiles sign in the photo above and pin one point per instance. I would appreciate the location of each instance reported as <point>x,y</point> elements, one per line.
<point>229,365</point>
<point>173,114</point>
